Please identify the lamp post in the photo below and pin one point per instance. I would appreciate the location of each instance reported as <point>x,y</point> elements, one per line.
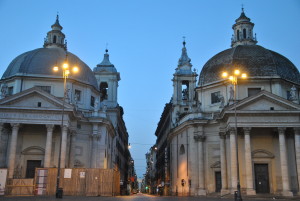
<point>65,72</point>
<point>234,80</point>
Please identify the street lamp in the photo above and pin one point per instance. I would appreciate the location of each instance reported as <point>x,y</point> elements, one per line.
<point>234,80</point>
<point>65,72</point>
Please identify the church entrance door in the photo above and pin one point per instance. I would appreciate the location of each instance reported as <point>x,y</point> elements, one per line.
<point>261,178</point>
<point>31,165</point>
<point>218,181</point>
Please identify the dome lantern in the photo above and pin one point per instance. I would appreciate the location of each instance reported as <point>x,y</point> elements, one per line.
<point>55,37</point>
<point>243,31</point>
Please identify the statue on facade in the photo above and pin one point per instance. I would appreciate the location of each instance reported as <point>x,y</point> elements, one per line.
<point>4,90</point>
<point>199,106</point>
<point>222,101</point>
<point>293,95</point>
<point>96,105</point>
<point>76,96</point>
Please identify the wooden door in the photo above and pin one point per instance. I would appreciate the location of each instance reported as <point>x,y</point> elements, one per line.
<point>261,178</point>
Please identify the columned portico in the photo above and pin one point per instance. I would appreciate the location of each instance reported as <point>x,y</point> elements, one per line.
<point>233,162</point>
<point>223,160</point>
<point>48,145</point>
<point>297,151</point>
<point>64,136</point>
<point>201,175</point>
<point>12,150</point>
<point>248,162</point>
<point>286,191</point>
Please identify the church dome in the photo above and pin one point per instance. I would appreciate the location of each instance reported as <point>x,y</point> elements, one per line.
<point>254,60</point>
<point>250,58</point>
<point>40,63</point>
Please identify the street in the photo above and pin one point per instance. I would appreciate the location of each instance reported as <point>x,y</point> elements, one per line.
<point>136,197</point>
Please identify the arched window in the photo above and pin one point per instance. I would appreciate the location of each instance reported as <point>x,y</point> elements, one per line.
<point>181,150</point>
<point>238,34</point>
<point>103,91</point>
<point>54,39</point>
<point>244,33</point>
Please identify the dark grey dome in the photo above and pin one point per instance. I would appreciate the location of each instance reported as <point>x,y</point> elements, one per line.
<point>40,63</point>
<point>254,60</point>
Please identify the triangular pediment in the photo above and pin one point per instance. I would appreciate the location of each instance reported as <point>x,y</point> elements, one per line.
<point>33,98</point>
<point>265,101</point>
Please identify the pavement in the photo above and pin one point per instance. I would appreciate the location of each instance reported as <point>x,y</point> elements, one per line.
<point>140,197</point>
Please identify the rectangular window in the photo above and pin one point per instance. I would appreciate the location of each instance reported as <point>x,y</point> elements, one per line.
<point>77,96</point>
<point>10,91</point>
<point>253,91</point>
<point>45,88</point>
<point>215,97</point>
<point>92,101</point>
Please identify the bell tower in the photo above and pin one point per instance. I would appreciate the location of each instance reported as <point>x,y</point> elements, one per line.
<point>184,84</point>
<point>107,78</point>
<point>243,31</point>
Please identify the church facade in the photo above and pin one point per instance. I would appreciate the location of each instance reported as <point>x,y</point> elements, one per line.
<point>39,119</point>
<point>218,133</point>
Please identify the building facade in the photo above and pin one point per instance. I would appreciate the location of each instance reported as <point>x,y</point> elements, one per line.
<point>223,133</point>
<point>41,117</point>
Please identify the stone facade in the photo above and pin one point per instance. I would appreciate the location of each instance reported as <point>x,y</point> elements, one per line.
<point>224,133</point>
<point>38,119</point>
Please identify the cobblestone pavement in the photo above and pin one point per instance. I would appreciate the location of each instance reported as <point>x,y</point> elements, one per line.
<point>138,197</point>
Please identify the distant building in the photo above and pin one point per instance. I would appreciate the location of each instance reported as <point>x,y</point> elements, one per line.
<point>93,133</point>
<point>201,140</point>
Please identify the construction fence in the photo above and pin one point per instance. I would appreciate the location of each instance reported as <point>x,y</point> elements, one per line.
<point>74,181</point>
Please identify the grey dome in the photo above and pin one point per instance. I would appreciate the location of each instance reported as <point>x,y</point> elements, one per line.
<point>40,63</point>
<point>255,60</point>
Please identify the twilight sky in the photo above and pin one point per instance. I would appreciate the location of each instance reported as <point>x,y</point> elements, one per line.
<point>144,39</point>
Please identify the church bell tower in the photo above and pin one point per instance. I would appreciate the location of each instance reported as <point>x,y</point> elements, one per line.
<point>184,84</point>
<point>107,78</point>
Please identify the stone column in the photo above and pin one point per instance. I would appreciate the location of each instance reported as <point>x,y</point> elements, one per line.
<point>1,128</point>
<point>48,145</point>
<point>2,157</point>
<point>223,161</point>
<point>201,174</point>
<point>12,150</point>
<point>248,162</point>
<point>94,146</point>
<point>63,148</point>
<point>297,152</point>
<point>72,150</point>
<point>286,191</point>
<point>233,162</point>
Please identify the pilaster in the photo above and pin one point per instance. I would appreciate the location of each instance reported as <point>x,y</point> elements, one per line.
<point>223,161</point>
<point>201,176</point>
<point>286,191</point>
<point>297,151</point>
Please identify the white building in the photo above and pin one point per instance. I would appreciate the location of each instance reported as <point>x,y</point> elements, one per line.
<point>93,133</point>
<point>202,140</point>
